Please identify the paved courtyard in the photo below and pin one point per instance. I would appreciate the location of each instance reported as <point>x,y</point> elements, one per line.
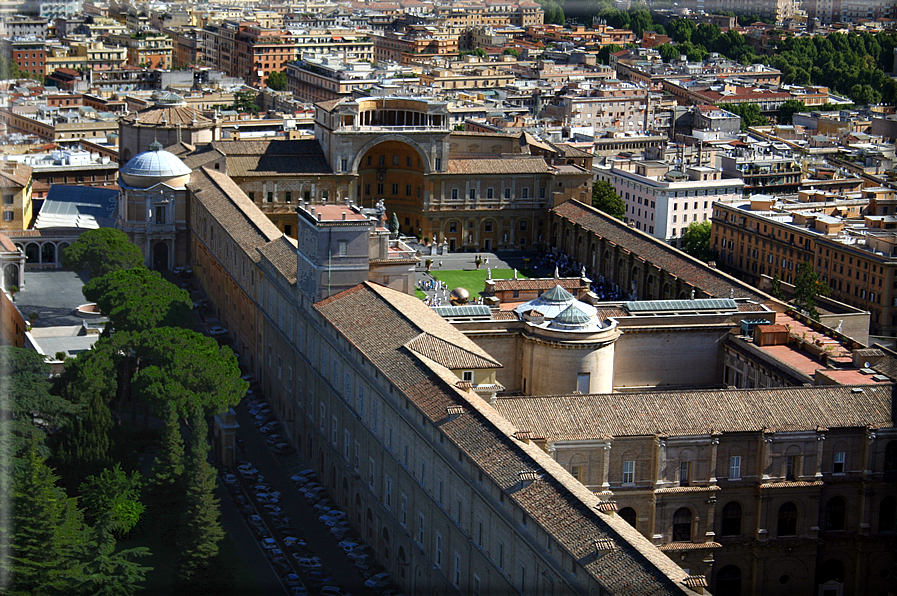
<point>53,295</point>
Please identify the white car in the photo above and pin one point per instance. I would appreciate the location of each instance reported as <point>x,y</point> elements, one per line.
<point>269,543</point>
<point>216,331</point>
<point>377,581</point>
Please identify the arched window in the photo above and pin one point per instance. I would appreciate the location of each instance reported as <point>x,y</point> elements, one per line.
<point>787,524</point>
<point>731,525</point>
<point>682,525</point>
<point>835,511</point>
<point>891,457</point>
<point>728,581</point>
<point>887,515</point>
<point>629,514</point>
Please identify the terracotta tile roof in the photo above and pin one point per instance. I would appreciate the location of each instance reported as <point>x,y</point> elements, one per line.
<point>450,355</point>
<point>168,116</point>
<point>570,151</point>
<point>282,254</point>
<point>7,244</point>
<point>711,281</point>
<point>504,315</point>
<point>268,166</point>
<point>529,164</point>
<point>683,413</point>
<point>381,323</point>
<point>225,201</point>
<point>18,178</point>
<point>539,283</point>
<point>269,147</point>
<point>792,484</point>
<point>606,312</point>
<point>204,157</point>
<point>673,490</point>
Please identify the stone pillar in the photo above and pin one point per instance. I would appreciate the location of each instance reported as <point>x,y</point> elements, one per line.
<point>660,464</point>
<point>714,452</point>
<point>820,442</point>
<point>605,484</point>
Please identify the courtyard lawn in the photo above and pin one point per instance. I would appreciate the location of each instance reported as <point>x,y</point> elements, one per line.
<point>474,281</point>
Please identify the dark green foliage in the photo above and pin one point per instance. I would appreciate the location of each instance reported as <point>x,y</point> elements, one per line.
<point>165,488</point>
<point>394,226</point>
<point>511,52</point>
<point>85,446</point>
<point>187,370</point>
<point>30,409</point>
<point>49,531</point>
<point>776,290</point>
<point>113,497</point>
<point>807,286</point>
<point>138,299</point>
<point>605,52</point>
<point>200,529</point>
<point>789,109</point>
<point>681,30</point>
<point>696,241</point>
<point>107,571</point>
<point>277,81</point>
<point>554,13</point>
<point>246,101</point>
<point>606,199</point>
<point>749,112</point>
<point>102,251</point>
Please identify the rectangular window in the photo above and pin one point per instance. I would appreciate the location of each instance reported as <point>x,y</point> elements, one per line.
<point>472,193</point>
<point>582,383</point>
<point>423,471</point>
<point>438,164</point>
<point>457,580</point>
<point>476,585</point>
<point>403,517</point>
<point>524,192</point>
<point>576,472</point>
<point>501,554</point>
<point>355,460</point>
<point>791,467</point>
<point>270,197</point>
<point>8,216</point>
<point>735,467</point>
<point>454,194</point>
<point>347,445</point>
<point>334,430</point>
<point>523,579</point>
<point>684,473</point>
<point>490,193</point>
<point>371,474</point>
<point>507,193</point>
<point>438,556</point>
<point>420,529</point>
<point>395,189</point>
<point>407,190</point>
<point>388,498</point>
<point>323,418</point>
<point>344,165</point>
<point>7,199</point>
<point>628,472</point>
<point>840,457</point>
<point>343,248</point>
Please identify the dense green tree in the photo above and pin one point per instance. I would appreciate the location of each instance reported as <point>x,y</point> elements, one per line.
<point>511,52</point>
<point>605,52</point>
<point>47,531</point>
<point>138,299</point>
<point>696,241</point>
<point>277,81</point>
<point>789,109</point>
<point>165,487</point>
<point>113,498</point>
<point>681,30</point>
<point>606,199</point>
<point>108,571</point>
<point>776,289</point>
<point>748,112</point>
<point>200,529</point>
<point>29,408</point>
<point>101,251</point>
<point>807,286</point>
<point>707,35</point>
<point>394,226</point>
<point>186,369</point>
<point>85,446</point>
<point>246,101</point>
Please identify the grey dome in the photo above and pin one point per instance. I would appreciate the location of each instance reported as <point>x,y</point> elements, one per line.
<point>167,98</point>
<point>574,319</point>
<point>557,294</point>
<point>555,301</point>
<point>150,167</point>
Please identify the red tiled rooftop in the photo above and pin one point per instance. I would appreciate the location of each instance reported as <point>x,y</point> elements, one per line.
<point>337,213</point>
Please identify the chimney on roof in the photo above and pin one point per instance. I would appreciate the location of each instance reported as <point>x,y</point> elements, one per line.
<point>344,216</point>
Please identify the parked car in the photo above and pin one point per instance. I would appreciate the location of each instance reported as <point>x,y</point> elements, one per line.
<point>267,498</point>
<point>292,541</point>
<point>291,580</point>
<point>310,563</point>
<point>269,543</point>
<point>319,577</point>
<point>334,591</point>
<point>377,582</point>
<point>271,508</point>
<point>217,331</point>
<point>349,545</point>
<point>274,439</point>
<point>270,426</point>
<point>284,449</point>
<point>229,479</point>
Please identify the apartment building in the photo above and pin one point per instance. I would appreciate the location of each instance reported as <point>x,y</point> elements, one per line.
<point>849,243</point>
<point>147,48</point>
<point>317,78</point>
<point>662,200</point>
<point>622,107</point>
<point>15,185</point>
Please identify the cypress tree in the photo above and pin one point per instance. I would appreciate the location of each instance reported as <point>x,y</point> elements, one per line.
<point>200,530</point>
<point>85,448</point>
<point>165,488</point>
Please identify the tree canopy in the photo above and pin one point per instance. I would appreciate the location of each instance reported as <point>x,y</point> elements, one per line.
<point>277,81</point>
<point>807,286</point>
<point>102,251</point>
<point>606,199</point>
<point>696,240</point>
<point>138,299</point>
<point>114,495</point>
<point>748,112</point>
<point>246,101</point>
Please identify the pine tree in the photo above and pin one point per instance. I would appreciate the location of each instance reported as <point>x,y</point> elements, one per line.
<point>48,531</point>
<point>165,490</point>
<point>86,446</point>
<point>200,530</point>
<point>107,572</point>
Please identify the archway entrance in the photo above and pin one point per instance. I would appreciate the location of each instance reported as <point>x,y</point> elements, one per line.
<point>393,172</point>
<point>160,256</point>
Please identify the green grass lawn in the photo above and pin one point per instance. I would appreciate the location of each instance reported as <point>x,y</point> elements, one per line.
<point>474,281</point>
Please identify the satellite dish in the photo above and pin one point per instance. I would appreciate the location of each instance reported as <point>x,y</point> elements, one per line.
<point>866,365</point>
